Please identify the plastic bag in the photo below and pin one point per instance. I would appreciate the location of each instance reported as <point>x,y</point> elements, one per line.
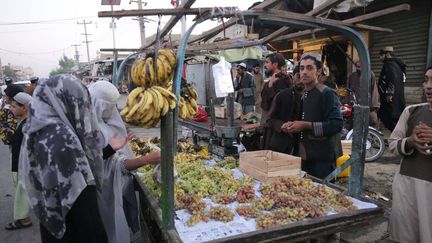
<point>201,115</point>
<point>222,78</point>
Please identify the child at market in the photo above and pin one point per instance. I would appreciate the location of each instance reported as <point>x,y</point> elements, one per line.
<point>19,107</point>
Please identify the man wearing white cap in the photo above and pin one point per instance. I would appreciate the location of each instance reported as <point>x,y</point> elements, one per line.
<point>245,87</point>
<point>19,107</point>
<point>391,88</point>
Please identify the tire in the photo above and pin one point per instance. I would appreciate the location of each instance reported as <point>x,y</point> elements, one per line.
<point>375,145</point>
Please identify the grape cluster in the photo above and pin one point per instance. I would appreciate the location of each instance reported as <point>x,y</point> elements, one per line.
<point>192,203</point>
<point>245,194</point>
<point>228,162</point>
<point>264,203</point>
<point>196,218</point>
<point>248,211</point>
<point>223,198</point>
<point>221,214</point>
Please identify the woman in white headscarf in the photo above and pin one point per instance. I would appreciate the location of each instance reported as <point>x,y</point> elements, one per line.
<point>117,195</point>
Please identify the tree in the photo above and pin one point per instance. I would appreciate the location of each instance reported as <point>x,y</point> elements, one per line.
<point>66,64</point>
<point>9,72</point>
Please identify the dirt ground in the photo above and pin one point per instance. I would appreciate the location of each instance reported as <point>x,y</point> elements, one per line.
<point>377,184</point>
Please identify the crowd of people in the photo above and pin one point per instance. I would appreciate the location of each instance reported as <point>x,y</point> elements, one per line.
<point>72,165</point>
<point>300,116</point>
<point>71,161</point>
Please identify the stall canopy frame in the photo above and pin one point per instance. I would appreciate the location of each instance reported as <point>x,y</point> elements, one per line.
<point>169,122</point>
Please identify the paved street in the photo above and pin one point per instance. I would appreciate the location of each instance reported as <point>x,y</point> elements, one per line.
<point>27,235</point>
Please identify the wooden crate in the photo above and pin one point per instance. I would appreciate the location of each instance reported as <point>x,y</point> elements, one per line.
<point>267,165</point>
<point>346,146</point>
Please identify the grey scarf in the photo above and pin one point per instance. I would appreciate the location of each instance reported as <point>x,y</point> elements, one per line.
<point>61,152</point>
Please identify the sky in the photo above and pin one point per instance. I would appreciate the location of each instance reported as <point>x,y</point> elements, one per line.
<point>37,33</point>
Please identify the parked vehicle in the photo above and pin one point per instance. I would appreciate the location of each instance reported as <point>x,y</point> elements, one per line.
<point>375,144</point>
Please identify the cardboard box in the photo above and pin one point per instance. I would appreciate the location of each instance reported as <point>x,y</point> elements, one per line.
<point>220,111</point>
<point>267,165</point>
<point>346,146</point>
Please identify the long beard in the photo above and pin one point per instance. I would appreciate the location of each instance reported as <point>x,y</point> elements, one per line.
<point>268,73</point>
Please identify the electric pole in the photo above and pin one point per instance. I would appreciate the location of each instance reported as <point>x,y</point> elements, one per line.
<point>1,69</point>
<point>86,39</point>
<point>76,54</point>
<point>141,21</point>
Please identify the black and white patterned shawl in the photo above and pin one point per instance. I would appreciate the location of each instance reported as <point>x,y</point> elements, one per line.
<point>61,153</point>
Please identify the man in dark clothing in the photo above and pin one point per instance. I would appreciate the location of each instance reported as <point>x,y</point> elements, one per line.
<point>245,87</point>
<point>391,88</point>
<point>277,82</point>
<point>259,83</point>
<point>286,107</point>
<point>374,104</point>
<point>320,120</point>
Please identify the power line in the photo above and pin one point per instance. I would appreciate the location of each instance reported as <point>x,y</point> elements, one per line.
<point>43,21</point>
<point>34,53</point>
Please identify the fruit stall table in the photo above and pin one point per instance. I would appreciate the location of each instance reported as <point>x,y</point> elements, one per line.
<point>242,230</point>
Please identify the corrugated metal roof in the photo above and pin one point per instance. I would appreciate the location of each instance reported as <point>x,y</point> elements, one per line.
<point>409,39</point>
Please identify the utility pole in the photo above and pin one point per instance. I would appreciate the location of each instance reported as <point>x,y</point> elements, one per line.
<point>86,39</point>
<point>1,69</point>
<point>76,54</point>
<point>141,21</point>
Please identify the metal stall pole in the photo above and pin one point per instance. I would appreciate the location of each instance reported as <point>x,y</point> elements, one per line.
<point>114,70</point>
<point>168,141</point>
<point>172,123</point>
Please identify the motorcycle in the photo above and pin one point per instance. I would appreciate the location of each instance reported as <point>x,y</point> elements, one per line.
<point>375,144</point>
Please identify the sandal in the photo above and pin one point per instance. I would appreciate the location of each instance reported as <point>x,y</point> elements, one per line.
<point>17,224</point>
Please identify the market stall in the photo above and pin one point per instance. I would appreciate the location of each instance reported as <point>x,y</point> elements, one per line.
<point>219,200</point>
<point>169,222</point>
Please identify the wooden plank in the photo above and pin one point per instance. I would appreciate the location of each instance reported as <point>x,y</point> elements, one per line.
<point>212,32</point>
<point>323,7</point>
<point>171,22</point>
<point>150,12</point>
<point>307,229</point>
<point>379,13</point>
<point>299,34</point>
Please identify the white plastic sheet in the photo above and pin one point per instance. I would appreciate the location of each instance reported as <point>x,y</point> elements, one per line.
<point>222,78</point>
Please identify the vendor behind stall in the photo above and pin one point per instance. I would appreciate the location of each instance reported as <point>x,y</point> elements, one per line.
<point>245,87</point>
<point>277,82</point>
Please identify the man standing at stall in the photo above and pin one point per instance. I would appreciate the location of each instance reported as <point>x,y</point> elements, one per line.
<point>374,104</point>
<point>245,87</point>
<point>320,120</point>
<point>286,108</point>
<point>259,83</point>
<point>411,216</point>
<point>391,88</point>
<point>277,81</point>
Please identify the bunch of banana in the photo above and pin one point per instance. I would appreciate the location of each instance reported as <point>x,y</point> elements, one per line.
<point>144,107</point>
<point>187,108</point>
<point>188,102</point>
<point>144,73</point>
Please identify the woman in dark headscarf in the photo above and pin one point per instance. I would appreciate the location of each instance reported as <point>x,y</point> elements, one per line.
<point>61,162</point>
